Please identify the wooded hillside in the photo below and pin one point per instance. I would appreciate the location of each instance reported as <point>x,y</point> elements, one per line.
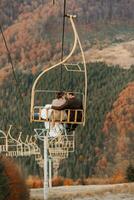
<point>90,11</point>
<point>94,142</point>
<point>33,31</point>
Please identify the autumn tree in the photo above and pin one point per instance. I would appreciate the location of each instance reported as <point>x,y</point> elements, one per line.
<point>12,184</point>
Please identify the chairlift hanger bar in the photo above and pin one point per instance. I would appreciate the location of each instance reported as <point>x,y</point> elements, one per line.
<point>75,43</point>
<point>62,47</point>
<point>62,40</point>
<point>68,15</point>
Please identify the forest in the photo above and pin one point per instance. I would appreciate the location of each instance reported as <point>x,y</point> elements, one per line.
<point>29,28</point>
<point>33,31</point>
<point>93,156</point>
<point>90,11</point>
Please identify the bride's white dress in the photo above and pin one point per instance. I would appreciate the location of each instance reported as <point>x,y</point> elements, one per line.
<point>55,130</point>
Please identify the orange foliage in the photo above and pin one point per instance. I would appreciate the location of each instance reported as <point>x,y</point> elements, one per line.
<point>121,143</point>
<point>121,117</point>
<point>118,177</point>
<point>122,113</point>
<point>34,70</point>
<point>16,183</point>
<point>25,37</point>
<point>102,181</point>
<point>57,181</point>
<point>68,181</point>
<point>102,163</point>
<point>118,128</point>
<point>34,182</point>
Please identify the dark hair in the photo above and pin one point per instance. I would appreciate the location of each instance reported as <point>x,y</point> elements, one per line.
<point>71,93</point>
<point>60,94</point>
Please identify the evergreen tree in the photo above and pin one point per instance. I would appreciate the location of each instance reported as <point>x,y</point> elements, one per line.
<point>130,173</point>
<point>4,184</point>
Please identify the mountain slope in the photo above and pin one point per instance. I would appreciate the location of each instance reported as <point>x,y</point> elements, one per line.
<point>33,29</point>
<point>104,85</point>
<point>118,129</point>
<point>89,158</point>
<point>34,38</point>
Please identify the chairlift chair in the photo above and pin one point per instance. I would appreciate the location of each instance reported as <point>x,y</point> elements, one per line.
<point>40,93</point>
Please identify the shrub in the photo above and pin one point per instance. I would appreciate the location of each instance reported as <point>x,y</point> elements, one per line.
<point>118,177</point>
<point>34,182</point>
<point>12,184</point>
<point>68,181</point>
<point>4,187</point>
<point>57,181</point>
<point>130,173</point>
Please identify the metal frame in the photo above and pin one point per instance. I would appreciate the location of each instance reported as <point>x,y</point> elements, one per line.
<point>11,147</point>
<point>59,147</point>
<point>76,41</point>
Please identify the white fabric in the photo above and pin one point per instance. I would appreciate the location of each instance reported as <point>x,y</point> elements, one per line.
<point>57,129</point>
<point>44,112</point>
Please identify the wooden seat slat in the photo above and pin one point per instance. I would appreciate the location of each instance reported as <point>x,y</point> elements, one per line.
<point>36,117</point>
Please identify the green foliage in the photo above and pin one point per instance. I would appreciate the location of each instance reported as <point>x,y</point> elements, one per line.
<point>130,173</point>
<point>4,186</point>
<point>104,85</point>
<point>41,43</point>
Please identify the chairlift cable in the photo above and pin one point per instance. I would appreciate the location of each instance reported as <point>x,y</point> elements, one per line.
<point>9,55</point>
<point>63,30</point>
<point>11,62</point>
<point>13,69</point>
<point>63,36</point>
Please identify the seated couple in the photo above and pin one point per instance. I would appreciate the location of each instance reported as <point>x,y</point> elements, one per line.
<point>63,102</point>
